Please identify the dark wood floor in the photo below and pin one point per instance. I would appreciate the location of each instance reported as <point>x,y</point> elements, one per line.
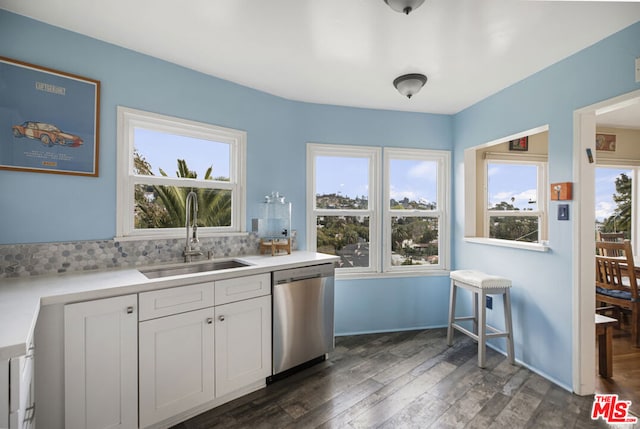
<point>406,380</point>
<point>626,370</point>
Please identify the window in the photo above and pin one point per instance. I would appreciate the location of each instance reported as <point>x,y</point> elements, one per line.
<point>390,219</point>
<point>515,197</point>
<point>415,204</point>
<point>616,201</point>
<point>161,159</point>
<point>506,191</point>
<point>343,197</point>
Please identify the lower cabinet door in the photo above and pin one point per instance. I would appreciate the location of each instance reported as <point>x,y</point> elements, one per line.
<point>176,364</point>
<point>22,400</point>
<point>4,393</point>
<point>101,364</point>
<point>243,344</point>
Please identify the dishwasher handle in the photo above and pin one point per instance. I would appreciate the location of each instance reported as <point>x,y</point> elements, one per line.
<point>297,279</point>
<point>304,273</point>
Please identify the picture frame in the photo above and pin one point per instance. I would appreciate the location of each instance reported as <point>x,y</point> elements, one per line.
<point>606,142</point>
<point>49,120</point>
<point>521,144</point>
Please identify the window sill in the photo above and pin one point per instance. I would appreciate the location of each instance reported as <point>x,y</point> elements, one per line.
<point>391,274</point>
<point>536,247</point>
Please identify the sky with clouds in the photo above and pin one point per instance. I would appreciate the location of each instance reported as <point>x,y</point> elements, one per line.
<point>605,188</point>
<point>162,150</point>
<point>513,183</point>
<point>349,177</point>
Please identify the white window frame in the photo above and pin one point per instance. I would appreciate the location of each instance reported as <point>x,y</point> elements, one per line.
<point>443,202</point>
<point>372,154</point>
<point>128,120</point>
<point>474,233</point>
<point>379,195</point>
<point>541,180</point>
<point>634,166</point>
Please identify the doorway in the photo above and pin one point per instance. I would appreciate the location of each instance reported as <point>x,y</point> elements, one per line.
<point>622,108</point>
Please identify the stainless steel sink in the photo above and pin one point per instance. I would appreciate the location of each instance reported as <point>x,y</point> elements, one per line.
<point>177,270</point>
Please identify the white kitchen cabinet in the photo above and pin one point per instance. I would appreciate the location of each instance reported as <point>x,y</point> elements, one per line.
<point>22,410</point>
<point>243,343</point>
<point>100,363</point>
<point>17,406</point>
<point>176,364</point>
<point>193,357</point>
<point>4,393</point>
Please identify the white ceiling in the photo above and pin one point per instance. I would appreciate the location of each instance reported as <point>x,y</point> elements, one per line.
<point>347,52</point>
<point>624,117</point>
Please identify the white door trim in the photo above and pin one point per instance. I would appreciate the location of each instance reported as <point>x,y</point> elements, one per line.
<point>584,129</point>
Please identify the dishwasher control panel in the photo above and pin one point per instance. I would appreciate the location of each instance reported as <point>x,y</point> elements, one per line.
<point>310,272</point>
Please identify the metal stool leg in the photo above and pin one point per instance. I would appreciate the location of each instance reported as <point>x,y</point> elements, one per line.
<point>452,312</point>
<point>474,309</point>
<point>482,328</point>
<point>508,326</point>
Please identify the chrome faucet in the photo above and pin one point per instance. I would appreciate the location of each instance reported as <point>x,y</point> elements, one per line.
<point>192,201</point>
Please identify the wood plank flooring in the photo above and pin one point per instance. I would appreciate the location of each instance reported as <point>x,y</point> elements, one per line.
<point>626,370</point>
<point>406,380</point>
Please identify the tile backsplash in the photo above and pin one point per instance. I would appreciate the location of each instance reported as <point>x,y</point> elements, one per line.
<point>24,260</point>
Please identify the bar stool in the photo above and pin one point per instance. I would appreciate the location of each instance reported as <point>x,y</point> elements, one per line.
<point>481,285</point>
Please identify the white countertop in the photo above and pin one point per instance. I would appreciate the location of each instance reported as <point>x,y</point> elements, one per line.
<point>21,298</point>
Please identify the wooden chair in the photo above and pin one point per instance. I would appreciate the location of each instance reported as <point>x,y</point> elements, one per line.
<point>611,236</point>
<point>616,283</point>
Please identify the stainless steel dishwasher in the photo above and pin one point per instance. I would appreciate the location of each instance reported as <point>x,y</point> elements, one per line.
<point>302,317</point>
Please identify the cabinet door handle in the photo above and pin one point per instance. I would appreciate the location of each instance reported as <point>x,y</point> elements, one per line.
<point>209,320</point>
<point>30,413</point>
<point>129,310</point>
<point>221,318</point>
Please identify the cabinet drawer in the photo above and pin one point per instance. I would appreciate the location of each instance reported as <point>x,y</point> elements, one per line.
<point>232,290</point>
<point>159,303</point>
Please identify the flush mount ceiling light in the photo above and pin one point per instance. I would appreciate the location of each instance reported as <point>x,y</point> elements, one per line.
<point>409,84</point>
<point>404,6</point>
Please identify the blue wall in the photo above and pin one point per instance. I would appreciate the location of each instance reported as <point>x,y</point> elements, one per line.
<point>385,304</point>
<point>63,208</point>
<point>49,207</point>
<point>542,292</point>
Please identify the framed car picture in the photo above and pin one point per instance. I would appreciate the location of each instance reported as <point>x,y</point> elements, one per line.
<point>49,120</point>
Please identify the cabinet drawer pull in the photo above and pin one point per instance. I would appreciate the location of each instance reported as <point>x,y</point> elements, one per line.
<point>221,318</point>
<point>129,310</point>
<point>209,320</point>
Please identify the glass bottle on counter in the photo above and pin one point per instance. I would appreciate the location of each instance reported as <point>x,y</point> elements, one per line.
<point>274,224</point>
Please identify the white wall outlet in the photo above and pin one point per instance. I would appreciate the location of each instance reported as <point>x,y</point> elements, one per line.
<point>638,69</point>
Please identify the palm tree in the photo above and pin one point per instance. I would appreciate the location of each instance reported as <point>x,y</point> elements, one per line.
<point>164,206</point>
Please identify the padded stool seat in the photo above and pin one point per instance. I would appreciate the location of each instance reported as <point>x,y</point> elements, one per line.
<point>481,285</point>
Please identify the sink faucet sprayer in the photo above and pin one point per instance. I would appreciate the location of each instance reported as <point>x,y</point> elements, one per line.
<point>192,201</point>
